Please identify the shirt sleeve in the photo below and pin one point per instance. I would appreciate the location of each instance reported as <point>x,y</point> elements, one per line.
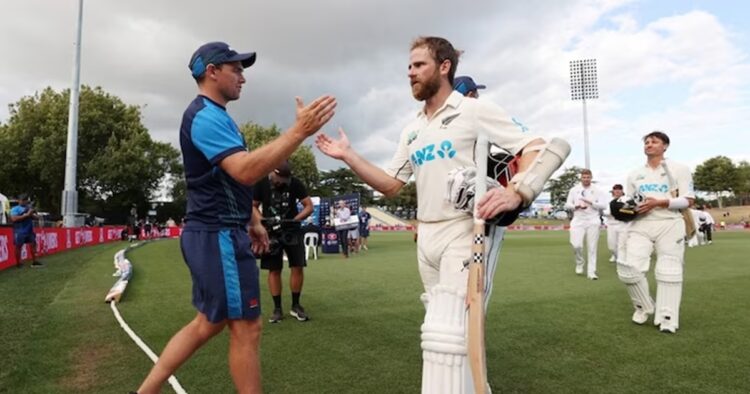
<point>215,136</point>
<point>17,211</point>
<point>600,200</point>
<point>500,128</point>
<point>400,165</point>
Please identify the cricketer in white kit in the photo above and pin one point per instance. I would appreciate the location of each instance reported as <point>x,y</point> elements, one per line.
<point>615,229</point>
<point>439,139</point>
<point>658,227</point>
<point>586,202</point>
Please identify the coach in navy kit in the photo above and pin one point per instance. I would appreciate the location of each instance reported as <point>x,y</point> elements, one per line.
<point>220,172</point>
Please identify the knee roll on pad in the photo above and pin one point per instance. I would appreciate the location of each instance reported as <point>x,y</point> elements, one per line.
<point>444,368</point>
<point>531,182</point>
<point>668,269</point>
<point>628,274</point>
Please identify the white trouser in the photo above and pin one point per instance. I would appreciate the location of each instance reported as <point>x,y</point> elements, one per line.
<point>590,231</point>
<point>616,240</point>
<point>667,238</point>
<point>442,249</point>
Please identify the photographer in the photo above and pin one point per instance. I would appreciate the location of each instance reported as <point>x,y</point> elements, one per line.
<point>277,195</point>
<point>22,216</point>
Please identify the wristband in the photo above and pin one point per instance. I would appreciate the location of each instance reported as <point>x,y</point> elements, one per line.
<point>678,203</point>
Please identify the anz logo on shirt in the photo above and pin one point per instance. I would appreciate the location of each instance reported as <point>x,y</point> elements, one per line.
<point>430,153</point>
<point>653,188</point>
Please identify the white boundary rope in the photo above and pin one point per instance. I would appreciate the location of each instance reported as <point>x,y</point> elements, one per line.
<point>138,341</point>
<point>124,270</point>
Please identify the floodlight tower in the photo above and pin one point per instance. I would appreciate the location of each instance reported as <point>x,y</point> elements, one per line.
<point>584,86</point>
<point>70,193</point>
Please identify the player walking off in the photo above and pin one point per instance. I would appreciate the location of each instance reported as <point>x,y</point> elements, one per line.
<point>666,188</point>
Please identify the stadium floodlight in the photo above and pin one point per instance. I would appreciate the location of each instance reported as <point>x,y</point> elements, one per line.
<point>70,193</point>
<point>584,86</point>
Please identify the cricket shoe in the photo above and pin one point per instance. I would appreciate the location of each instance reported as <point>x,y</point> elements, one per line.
<point>667,325</point>
<point>579,270</point>
<point>298,312</point>
<point>592,277</point>
<point>276,316</point>
<point>612,259</point>
<point>640,316</point>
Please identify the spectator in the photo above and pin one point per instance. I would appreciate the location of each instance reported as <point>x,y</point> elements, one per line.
<point>171,223</point>
<point>23,216</point>
<point>343,214</point>
<point>364,227</point>
<point>4,210</point>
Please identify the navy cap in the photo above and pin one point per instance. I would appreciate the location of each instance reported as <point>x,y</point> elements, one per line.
<point>465,84</point>
<point>217,53</point>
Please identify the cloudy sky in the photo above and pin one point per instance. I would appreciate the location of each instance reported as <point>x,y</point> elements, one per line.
<point>677,65</point>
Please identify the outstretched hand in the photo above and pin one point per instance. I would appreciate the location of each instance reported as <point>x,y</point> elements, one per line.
<point>312,117</point>
<point>336,149</point>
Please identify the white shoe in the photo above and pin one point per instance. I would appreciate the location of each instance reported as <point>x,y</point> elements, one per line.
<point>593,277</point>
<point>667,326</point>
<point>640,316</point>
<point>710,242</point>
<point>579,270</point>
<point>612,259</point>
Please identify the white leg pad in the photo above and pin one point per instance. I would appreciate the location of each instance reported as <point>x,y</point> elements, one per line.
<point>445,369</point>
<point>637,284</point>
<point>668,274</point>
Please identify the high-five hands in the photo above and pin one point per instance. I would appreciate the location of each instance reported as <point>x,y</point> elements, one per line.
<point>312,117</point>
<point>336,149</point>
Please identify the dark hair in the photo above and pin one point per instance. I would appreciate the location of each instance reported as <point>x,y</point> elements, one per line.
<point>657,134</point>
<point>202,77</point>
<point>586,171</point>
<point>441,50</point>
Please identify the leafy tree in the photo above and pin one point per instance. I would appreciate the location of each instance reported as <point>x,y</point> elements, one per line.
<point>342,181</point>
<point>560,186</point>
<point>716,175</point>
<point>742,189</point>
<point>406,198</point>
<point>118,163</point>
<point>302,160</point>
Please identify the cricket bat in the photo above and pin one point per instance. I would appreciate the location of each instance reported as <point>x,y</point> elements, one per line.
<point>475,288</point>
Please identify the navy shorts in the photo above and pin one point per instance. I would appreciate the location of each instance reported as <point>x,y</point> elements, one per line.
<point>225,273</point>
<point>25,238</point>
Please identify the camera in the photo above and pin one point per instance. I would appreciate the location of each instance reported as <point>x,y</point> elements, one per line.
<point>281,232</point>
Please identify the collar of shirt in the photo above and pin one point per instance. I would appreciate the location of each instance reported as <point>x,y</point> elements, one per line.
<point>453,101</point>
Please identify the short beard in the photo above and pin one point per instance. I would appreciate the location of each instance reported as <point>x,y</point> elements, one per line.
<point>429,88</point>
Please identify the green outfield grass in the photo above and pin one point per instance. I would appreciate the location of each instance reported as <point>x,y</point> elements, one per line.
<point>548,330</point>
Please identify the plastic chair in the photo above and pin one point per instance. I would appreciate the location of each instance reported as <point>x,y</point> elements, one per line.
<point>311,243</point>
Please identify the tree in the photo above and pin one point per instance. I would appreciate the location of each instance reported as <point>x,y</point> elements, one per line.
<point>302,160</point>
<point>742,189</point>
<point>406,198</point>
<point>342,181</point>
<point>560,186</point>
<point>118,163</point>
<point>716,175</point>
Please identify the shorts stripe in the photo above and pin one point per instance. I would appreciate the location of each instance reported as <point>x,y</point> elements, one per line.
<point>231,275</point>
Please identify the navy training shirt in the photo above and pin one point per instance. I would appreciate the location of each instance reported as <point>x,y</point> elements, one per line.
<point>214,199</point>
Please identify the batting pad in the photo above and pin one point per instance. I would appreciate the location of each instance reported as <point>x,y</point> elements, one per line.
<point>445,369</point>
<point>668,290</point>
<point>637,284</point>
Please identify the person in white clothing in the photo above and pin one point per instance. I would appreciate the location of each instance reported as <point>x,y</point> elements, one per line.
<point>615,229</point>
<point>440,139</point>
<point>665,187</point>
<point>707,227</point>
<point>586,202</point>
<point>700,220</point>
